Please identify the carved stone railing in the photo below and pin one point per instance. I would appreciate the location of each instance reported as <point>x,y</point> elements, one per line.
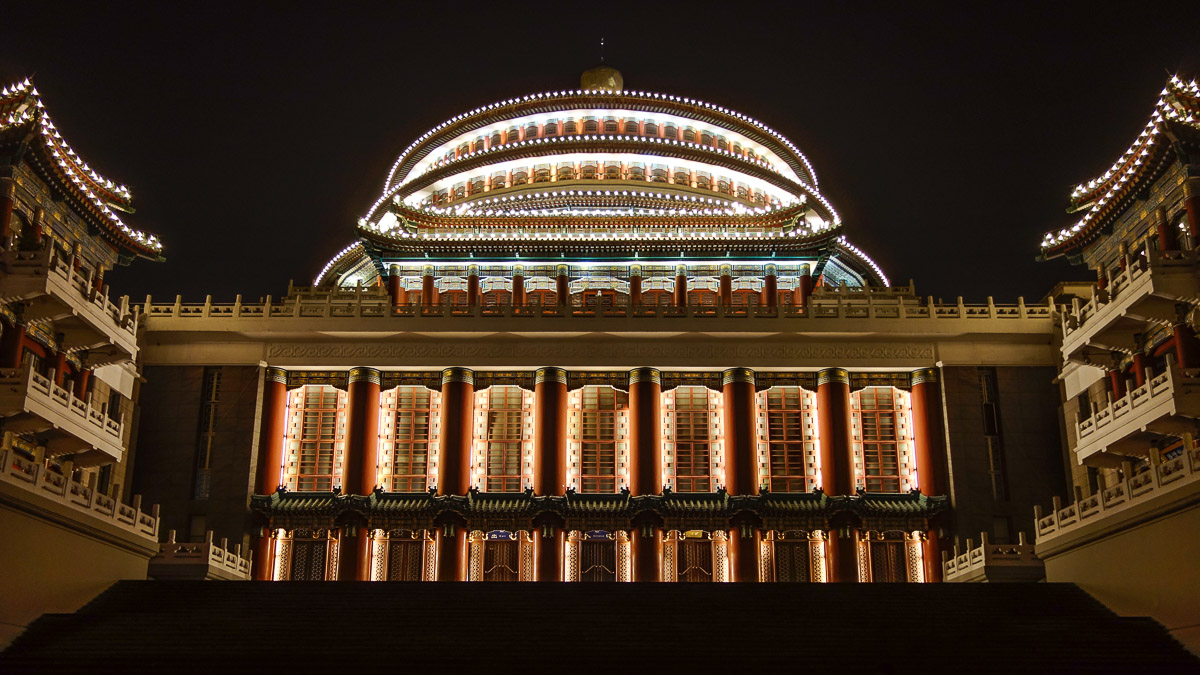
<point>18,468</point>
<point>1137,487</point>
<point>993,562</point>
<point>25,390</point>
<point>204,560</point>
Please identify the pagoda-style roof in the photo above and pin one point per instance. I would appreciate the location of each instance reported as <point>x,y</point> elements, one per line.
<point>1175,120</point>
<point>25,127</point>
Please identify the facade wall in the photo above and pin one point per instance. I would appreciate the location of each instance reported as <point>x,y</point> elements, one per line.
<point>1026,407</point>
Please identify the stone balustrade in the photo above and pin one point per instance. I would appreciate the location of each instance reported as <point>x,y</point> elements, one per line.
<point>993,562</point>
<point>25,392</point>
<point>18,468</point>
<point>203,560</point>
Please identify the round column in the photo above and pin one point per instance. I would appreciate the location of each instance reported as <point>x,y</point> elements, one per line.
<point>8,190</point>
<point>1168,237</point>
<point>271,430</point>
<point>1191,202</point>
<point>1139,370</point>
<point>518,286</point>
<point>354,553</point>
<point>645,547</point>
<point>635,284</point>
<point>451,542</point>
<point>362,431</point>
<point>931,551</point>
<point>645,432</point>
<point>841,552</point>
<point>833,421</point>
<point>12,345</point>
<point>429,294</point>
<point>550,432</point>
<point>726,285</point>
<point>804,286</point>
<point>1185,345</point>
<point>738,413</point>
<point>680,285</point>
<point>472,285</point>
<point>929,433</point>
<point>81,383</point>
<point>743,553</point>
<point>770,292</point>
<point>562,285</point>
<point>60,367</point>
<point>396,287</point>
<point>548,543</point>
<point>454,458</point>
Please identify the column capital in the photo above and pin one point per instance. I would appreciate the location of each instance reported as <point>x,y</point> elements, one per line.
<point>770,270</point>
<point>645,375</point>
<point>8,187</point>
<point>833,375</point>
<point>556,375</point>
<point>277,375</point>
<point>518,270</point>
<point>365,375</point>
<point>805,270</point>
<point>393,270</point>
<point>725,270</point>
<point>924,375</point>
<point>635,270</point>
<point>1191,187</point>
<point>458,375</point>
<point>681,270</point>
<point>472,270</point>
<point>562,270</point>
<point>427,271</point>
<point>737,375</point>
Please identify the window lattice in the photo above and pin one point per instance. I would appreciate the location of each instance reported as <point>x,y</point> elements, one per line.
<point>316,438</point>
<point>503,439</point>
<point>408,435</point>
<point>692,439</point>
<point>788,447</point>
<point>881,420</point>
<point>599,419</point>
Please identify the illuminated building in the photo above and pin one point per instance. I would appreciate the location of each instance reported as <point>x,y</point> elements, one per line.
<point>1131,388</point>
<point>591,335</point>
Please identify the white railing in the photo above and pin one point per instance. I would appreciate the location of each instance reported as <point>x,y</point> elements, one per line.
<point>47,263</point>
<point>1113,422</point>
<point>975,561</point>
<point>25,473</point>
<point>1138,486</point>
<point>59,406</point>
<point>207,554</point>
<point>1110,302</point>
<point>364,305</point>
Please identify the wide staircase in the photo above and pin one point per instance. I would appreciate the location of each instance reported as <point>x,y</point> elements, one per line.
<point>193,627</point>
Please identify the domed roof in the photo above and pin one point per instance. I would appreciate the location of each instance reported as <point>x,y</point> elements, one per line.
<point>601,78</point>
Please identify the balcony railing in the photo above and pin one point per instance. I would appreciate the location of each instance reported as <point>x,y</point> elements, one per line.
<point>33,402</point>
<point>1145,293</point>
<point>204,560</point>
<point>1167,404</point>
<point>53,289</point>
<point>20,470</point>
<point>1137,489</point>
<point>993,562</point>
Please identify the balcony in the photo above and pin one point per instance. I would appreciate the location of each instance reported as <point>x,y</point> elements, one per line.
<point>19,470</point>
<point>51,289</point>
<point>1167,405</point>
<point>30,402</point>
<point>199,561</point>
<point>993,562</point>
<point>1144,295</point>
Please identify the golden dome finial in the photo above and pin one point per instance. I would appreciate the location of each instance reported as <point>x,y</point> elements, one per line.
<point>602,78</point>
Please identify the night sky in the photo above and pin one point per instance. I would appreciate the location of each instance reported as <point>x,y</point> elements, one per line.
<point>253,137</point>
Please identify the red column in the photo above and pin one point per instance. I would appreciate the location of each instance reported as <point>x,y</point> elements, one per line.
<point>81,383</point>
<point>98,280</point>
<point>548,552</point>
<point>931,551</point>
<point>11,345</point>
<point>842,553</point>
<point>743,554</point>
<point>635,284</point>
<point>562,285</point>
<point>8,190</point>
<point>1191,202</point>
<point>452,553</point>
<point>1185,346</point>
<point>362,431</point>
<point>804,286</point>
<point>354,554</point>
<point>646,551</point>
<point>680,286</point>
<point>458,404</point>
<point>738,412</point>
<point>770,292</point>
<point>1139,369</point>
<point>472,285</point>
<point>1168,237</point>
<point>1101,280</point>
<point>550,432</point>
<point>929,436</point>
<point>396,287</point>
<point>518,286</point>
<point>726,285</point>
<point>429,295</point>
<point>271,428</point>
<point>833,422</point>
<point>645,432</point>
<point>60,367</point>
<point>1116,382</point>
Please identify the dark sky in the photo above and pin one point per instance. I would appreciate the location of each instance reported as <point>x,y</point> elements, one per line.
<point>254,136</point>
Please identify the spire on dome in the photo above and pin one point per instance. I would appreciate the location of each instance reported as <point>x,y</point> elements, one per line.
<point>602,78</point>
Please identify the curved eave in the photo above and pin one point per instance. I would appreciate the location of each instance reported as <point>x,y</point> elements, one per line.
<point>870,269</point>
<point>626,100</point>
<point>346,259</point>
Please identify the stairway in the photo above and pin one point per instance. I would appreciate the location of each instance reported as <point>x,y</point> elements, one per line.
<point>192,627</point>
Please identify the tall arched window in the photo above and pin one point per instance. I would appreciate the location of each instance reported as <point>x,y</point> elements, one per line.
<point>503,438</point>
<point>316,438</point>
<point>408,438</point>
<point>883,460</point>
<point>599,423</point>
<point>691,439</point>
<point>787,439</point>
